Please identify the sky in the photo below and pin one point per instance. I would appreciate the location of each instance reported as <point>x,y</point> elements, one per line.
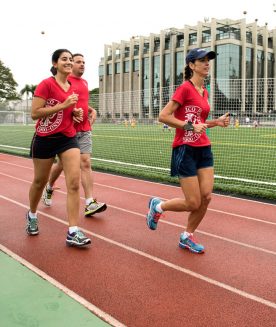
<point>85,26</point>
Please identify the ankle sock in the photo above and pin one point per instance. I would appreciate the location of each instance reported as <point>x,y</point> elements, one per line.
<point>158,208</point>
<point>73,229</point>
<point>32,214</point>
<point>88,201</point>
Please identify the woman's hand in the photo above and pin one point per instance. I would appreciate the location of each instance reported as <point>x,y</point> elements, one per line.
<point>70,101</point>
<point>77,115</point>
<point>223,120</point>
<point>92,115</point>
<point>200,128</point>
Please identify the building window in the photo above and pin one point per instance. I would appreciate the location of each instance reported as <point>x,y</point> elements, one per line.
<point>179,68</point>
<point>206,36</point>
<point>249,63</point>
<point>145,86</point>
<point>192,38</point>
<point>117,68</point>
<point>146,48</point>
<point>270,43</point>
<point>167,70</point>
<point>156,85</point>
<point>136,50</point>
<point>249,37</point>
<point>126,66</point>
<point>260,39</point>
<point>101,70</point>
<point>109,69</point>
<point>135,65</point>
<point>228,74</point>
<point>270,65</point>
<point>228,63</point>
<point>156,44</point>
<point>228,32</point>
<point>126,52</point>
<point>167,43</point>
<point>260,64</point>
<point>180,41</point>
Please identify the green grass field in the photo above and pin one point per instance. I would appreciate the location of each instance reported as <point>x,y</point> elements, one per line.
<point>245,157</point>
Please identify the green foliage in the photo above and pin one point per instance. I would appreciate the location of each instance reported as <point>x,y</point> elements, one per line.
<point>28,89</point>
<point>7,84</point>
<point>94,100</point>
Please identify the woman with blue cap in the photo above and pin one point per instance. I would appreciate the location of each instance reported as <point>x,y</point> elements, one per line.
<point>192,158</point>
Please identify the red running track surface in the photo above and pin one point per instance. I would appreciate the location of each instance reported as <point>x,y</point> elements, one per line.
<point>141,277</point>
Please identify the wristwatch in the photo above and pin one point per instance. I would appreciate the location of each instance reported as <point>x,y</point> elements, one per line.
<point>188,126</point>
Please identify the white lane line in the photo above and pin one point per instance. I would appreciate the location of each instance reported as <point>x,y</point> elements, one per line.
<point>161,261</point>
<point>91,307</point>
<point>173,224</point>
<point>151,195</point>
<point>142,181</point>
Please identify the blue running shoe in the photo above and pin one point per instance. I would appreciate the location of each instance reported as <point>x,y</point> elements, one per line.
<point>153,215</point>
<point>190,244</point>
<point>77,239</point>
<point>32,225</point>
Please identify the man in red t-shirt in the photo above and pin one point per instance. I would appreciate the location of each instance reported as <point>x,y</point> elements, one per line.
<point>83,128</point>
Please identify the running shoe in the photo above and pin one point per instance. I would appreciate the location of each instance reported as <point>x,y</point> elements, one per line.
<point>94,207</point>
<point>190,244</point>
<point>77,239</point>
<point>32,225</point>
<point>47,196</point>
<point>153,215</point>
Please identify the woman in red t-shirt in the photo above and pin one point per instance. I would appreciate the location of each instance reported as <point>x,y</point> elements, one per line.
<point>192,158</point>
<point>53,105</point>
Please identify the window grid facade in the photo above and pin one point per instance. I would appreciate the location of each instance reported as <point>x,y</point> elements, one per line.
<point>246,53</point>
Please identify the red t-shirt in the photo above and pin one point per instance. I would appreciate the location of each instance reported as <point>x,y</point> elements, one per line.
<point>61,121</point>
<point>194,108</point>
<point>81,88</point>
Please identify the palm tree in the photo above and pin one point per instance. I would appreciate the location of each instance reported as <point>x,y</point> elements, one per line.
<point>28,89</point>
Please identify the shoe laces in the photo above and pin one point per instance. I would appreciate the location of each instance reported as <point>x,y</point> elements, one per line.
<point>33,223</point>
<point>79,233</point>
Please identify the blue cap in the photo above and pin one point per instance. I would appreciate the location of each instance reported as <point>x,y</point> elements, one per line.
<point>198,53</point>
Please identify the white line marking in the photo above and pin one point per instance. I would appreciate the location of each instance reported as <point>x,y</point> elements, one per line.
<point>151,195</point>
<point>91,307</point>
<point>178,225</point>
<point>161,261</point>
<point>148,182</point>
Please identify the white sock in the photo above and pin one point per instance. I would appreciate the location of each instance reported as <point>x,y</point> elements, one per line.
<point>186,234</point>
<point>158,208</point>
<point>32,214</point>
<point>88,201</point>
<point>73,229</point>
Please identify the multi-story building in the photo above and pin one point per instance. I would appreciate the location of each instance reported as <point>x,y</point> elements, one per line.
<point>137,77</point>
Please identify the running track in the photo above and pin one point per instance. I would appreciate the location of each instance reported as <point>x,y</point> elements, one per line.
<point>139,277</point>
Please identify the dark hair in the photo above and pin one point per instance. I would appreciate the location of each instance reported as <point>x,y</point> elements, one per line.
<point>53,70</point>
<point>77,54</point>
<point>57,54</point>
<point>188,73</point>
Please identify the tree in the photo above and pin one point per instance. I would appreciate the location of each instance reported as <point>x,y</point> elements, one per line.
<point>28,89</point>
<point>94,99</point>
<point>7,84</point>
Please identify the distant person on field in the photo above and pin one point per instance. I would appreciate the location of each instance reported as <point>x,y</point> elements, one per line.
<point>255,123</point>
<point>237,123</point>
<point>83,129</point>
<point>133,122</point>
<point>54,106</point>
<point>192,158</point>
<point>166,127</point>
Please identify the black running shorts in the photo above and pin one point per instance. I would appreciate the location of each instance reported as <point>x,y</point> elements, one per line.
<point>46,147</point>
